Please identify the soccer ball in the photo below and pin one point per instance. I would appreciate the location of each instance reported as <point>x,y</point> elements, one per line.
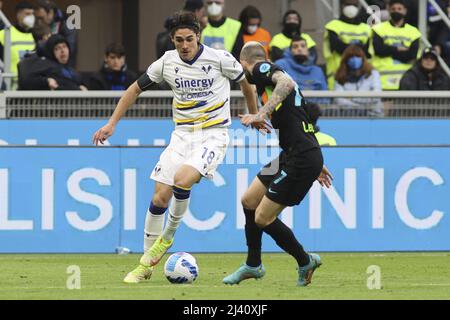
<point>181,267</point>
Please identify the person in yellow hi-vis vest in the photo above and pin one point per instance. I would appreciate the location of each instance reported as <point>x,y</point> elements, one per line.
<point>396,46</point>
<point>342,32</point>
<point>22,40</point>
<point>313,111</point>
<point>292,25</point>
<point>222,32</point>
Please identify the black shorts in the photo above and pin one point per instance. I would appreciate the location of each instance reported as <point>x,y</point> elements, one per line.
<point>289,177</point>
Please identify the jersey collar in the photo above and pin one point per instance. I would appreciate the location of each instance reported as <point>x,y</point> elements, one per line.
<point>191,62</point>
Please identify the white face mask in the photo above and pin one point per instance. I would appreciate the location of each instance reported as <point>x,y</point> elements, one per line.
<point>29,21</point>
<point>252,28</point>
<point>350,11</point>
<point>214,9</point>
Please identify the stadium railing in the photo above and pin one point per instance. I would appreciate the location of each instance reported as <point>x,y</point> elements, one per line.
<point>158,104</point>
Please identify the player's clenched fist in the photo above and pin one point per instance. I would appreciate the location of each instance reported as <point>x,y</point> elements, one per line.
<point>102,134</point>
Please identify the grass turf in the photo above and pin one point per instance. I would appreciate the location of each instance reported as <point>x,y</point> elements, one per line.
<point>411,275</point>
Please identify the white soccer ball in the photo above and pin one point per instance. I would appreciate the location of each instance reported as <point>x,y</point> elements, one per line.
<point>181,267</point>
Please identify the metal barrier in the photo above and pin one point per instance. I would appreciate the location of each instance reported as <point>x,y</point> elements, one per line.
<point>158,104</point>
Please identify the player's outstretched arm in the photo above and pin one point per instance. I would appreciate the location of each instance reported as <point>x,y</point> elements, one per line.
<point>283,87</point>
<point>126,101</point>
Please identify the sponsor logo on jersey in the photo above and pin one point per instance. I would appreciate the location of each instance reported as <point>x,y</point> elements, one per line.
<point>194,83</point>
<point>177,69</point>
<point>196,95</point>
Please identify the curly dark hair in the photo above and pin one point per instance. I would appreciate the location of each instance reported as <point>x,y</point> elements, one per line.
<point>184,20</point>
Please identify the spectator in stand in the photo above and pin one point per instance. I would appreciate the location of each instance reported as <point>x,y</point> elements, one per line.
<point>114,74</point>
<point>22,40</point>
<point>57,73</point>
<point>292,26</point>
<point>163,39</point>
<point>35,61</point>
<point>396,46</point>
<point>426,74</point>
<point>306,75</point>
<point>251,19</point>
<point>50,14</point>
<point>222,32</point>
<point>314,113</point>
<point>340,33</point>
<point>356,74</point>
<point>439,32</point>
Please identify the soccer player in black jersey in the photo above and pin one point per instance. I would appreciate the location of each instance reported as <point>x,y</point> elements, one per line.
<point>285,181</point>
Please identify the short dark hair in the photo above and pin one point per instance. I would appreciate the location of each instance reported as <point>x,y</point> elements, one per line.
<point>193,5</point>
<point>46,5</point>
<point>249,12</point>
<point>296,38</point>
<point>23,5</point>
<point>115,48</point>
<point>402,2</point>
<point>184,20</point>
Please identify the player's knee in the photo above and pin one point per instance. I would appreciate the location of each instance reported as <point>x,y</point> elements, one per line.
<point>249,202</point>
<point>183,181</point>
<point>161,199</point>
<point>261,221</point>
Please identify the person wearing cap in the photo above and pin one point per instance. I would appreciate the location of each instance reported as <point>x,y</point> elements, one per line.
<point>292,26</point>
<point>55,72</point>
<point>251,19</point>
<point>222,32</point>
<point>396,46</point>
<point>340,33</point>
<point>22,40</point>
<point>426,74</point>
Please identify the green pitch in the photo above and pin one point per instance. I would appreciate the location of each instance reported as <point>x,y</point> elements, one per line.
<point>342,276</point>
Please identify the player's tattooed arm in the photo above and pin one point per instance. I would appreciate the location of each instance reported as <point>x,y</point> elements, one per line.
<point>283,87</point>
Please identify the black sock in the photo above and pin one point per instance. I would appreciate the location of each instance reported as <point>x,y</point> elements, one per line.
<point>253,234</point>
<point>285,239</point>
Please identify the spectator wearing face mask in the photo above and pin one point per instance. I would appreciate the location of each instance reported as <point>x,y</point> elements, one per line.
<point>342,32</point>
<point>396,46</point>
<point>251,19</point>
<point>222,32</point>
<point>426,74</point>
<point>292,25</point>
<point>355,73</point>
<point>114,74</point>
<point>22,40</point>
<point>306,75</point>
